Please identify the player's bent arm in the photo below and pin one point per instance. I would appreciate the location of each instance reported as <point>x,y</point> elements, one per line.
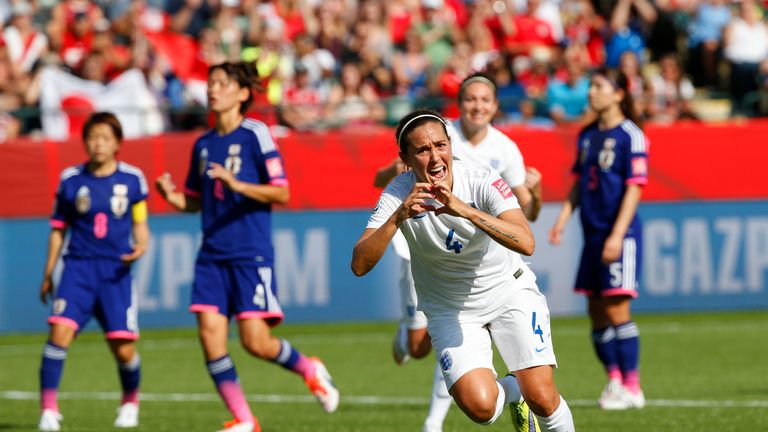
<point>570,204</point>
<point>183,202</point>
<point>263,193</point>
<point>627,210</point>
<point>386,173</point>
<point>510,229</point>
<point>55,244</point>
<point>371,247</point>
<point>529,203</point>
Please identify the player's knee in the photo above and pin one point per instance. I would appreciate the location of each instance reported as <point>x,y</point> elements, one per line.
<point>479,409</point>
<point>256,347</point>
<point>542,400</point>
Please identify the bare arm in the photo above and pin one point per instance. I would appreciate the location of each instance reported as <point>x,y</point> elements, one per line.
<point>140,241</point>
<point>258,192</point>
<point>55,244</point>
<point>569,206</point>
<point>510,229</point>
<point>374,241</point>
<point>386,173</point>
<point>529,194</point>
<point>176,199</point>
<point>620,15</point>
<point>627,210</point>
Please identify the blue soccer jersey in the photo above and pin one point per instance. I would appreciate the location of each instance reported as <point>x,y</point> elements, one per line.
<point>608,161</point>
<point>98,210</point>
<point>236,227</point>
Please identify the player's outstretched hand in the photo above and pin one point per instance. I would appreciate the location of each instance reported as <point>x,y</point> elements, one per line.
<point>46,289</point>
<point>165,185</point>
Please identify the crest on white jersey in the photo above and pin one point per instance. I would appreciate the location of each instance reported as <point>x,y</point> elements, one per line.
<point>59,305</point>
<point>83,200</point>
<point>119,201</point>
<point>233,162</point>
<point>607,156</point>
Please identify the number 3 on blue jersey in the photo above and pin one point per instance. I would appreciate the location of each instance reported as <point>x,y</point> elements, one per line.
<point>455,246</point>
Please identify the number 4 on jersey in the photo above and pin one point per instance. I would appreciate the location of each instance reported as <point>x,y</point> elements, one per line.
<point>455,246</point>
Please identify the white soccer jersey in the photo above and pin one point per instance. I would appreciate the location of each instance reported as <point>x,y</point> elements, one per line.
<point>455,265</point>
<point>495,150</point>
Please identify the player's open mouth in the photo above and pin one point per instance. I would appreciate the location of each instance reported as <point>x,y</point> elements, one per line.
<point>438,173</point>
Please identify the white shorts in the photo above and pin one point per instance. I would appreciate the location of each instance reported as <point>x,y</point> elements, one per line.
<point>412,318</point>
<point>518,324</point>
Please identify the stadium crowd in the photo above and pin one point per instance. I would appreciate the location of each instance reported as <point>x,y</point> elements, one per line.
<point>329,63</point>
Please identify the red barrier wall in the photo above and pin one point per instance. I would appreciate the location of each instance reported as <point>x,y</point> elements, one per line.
<point>334,170</point>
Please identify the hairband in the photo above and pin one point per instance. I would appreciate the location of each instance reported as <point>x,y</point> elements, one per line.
<point>613,82</point>
<point>477,78</point>
<point>405,126</point>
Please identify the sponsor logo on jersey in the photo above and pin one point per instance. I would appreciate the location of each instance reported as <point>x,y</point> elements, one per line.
<point>607,156</point>
<point>119,201</point>
<point>59,305</point>
<point>275,167</point>
<point>83,200</point>
<point>503,188</point>
<point>639,167</point>
<point>446,361</point>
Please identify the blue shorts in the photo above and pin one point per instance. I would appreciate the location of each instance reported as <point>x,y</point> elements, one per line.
<point>236,288</point>
<point>619,278</point>
<point>98,288</point>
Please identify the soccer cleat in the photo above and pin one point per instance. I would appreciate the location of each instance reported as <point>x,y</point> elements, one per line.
<point>127,416</point>
<point>50,421</point>
<point>400,346</point>
<point>238,426</point>
<point>321,385</point>
<point>523,418</point>
<point>610,394</point>
<point>624,400</point>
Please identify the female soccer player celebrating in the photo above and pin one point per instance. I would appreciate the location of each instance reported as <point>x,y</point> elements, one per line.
<point>235,175</point>
<point>103,204</point>
<point>611,166</point>
<point>474,139</point>
<point>465,231</point>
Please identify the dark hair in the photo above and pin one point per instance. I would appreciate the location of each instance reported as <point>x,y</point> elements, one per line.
<point>620,82</point>
<point>408,124</point>
<point>478,77</point>
<point>245,74</point>
<point>106,118</point>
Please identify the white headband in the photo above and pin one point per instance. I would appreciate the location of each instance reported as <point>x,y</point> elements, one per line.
<point>405,126</point>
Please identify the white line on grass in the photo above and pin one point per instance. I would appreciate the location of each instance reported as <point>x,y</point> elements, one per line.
<point>355,400</point>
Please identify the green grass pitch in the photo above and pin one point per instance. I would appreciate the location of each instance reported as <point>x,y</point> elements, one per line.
<point>700,372</point>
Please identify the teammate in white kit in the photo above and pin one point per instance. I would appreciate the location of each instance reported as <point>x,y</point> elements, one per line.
<point>465,231</point>
<point>474,140</point>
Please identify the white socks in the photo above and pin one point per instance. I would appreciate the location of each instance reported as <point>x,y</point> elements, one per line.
<point>441,400</point>
<point>560,421</point>
<point>511,388</point>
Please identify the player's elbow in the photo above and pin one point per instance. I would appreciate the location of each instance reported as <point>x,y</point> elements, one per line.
<point>360,266</point>
<point>527,247</point>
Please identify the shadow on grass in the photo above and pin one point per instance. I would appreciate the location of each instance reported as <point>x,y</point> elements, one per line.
<point>18,426</point>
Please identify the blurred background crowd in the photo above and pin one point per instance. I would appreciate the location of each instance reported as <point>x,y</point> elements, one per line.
<point>333,63</point>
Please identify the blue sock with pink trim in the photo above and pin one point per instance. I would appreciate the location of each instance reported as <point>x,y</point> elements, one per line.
<point>628,348</point>
<point>224,375</point>
<point>130,376</point>
<point>604,341</point>
<point>51,368</point>
<point>293,360</point>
